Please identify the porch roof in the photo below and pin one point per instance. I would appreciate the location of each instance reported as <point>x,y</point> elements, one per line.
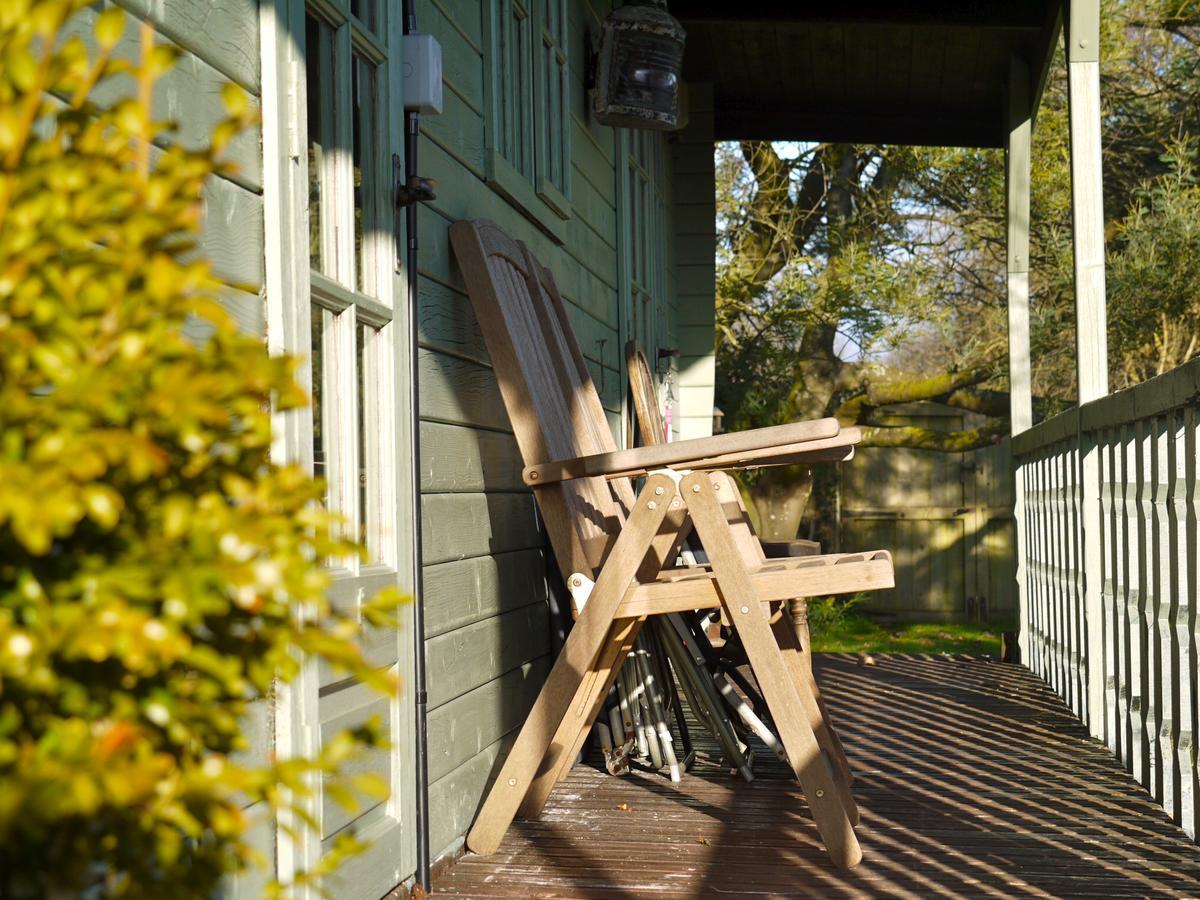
<point>930,72</point>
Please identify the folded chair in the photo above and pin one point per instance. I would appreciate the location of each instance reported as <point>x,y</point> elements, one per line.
<point>622,545</point>
<point>652,429</point>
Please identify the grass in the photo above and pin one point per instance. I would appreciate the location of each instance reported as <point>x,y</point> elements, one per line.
<point>838,628</point>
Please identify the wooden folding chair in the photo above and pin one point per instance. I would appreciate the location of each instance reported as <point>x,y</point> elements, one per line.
<point>600,530</point>
<point>652,429</point>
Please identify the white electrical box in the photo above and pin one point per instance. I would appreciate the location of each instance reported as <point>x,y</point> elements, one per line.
<point>422,56</point>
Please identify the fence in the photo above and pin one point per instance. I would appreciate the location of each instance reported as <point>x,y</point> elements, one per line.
<point>947,518</point>
<point>1108,561</point>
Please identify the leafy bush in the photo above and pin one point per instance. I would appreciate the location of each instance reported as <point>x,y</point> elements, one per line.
<point>154,562</point>
<point>832,611</point>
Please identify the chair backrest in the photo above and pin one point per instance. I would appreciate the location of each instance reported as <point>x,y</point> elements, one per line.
<point>645,397</point>
<point>547,390</point>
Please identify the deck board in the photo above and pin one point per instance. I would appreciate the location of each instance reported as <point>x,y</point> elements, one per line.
<point>972,777</point>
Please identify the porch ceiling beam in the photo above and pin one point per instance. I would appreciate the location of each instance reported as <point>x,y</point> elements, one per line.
<point>1018,15</point>
<point>734,122</point>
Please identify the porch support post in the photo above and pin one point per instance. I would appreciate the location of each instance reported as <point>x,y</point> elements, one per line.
<point>1081,20</point>
<point>1017,168</point>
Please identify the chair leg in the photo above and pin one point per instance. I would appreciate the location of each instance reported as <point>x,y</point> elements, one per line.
<point>575,662</point>
<point>799,611</point>
<point>585,706</point>
<point>749,618</point>
<point>664,547</point>
<point>826,737</point>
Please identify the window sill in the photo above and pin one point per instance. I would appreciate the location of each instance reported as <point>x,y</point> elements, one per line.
<point>544,206</point>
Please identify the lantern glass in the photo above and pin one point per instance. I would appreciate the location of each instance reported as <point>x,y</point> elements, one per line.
<point>639,68</point>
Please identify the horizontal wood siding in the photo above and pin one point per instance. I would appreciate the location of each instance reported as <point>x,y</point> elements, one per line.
<point>486,595</point>
<point>218,44</point>
<point>694,190</point>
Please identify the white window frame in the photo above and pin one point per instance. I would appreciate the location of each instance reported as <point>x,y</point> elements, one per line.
<point>293,290</point>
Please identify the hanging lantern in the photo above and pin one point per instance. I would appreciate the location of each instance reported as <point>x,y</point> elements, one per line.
<point>639,68</point>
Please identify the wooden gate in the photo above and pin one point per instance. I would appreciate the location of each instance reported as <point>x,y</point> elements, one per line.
<point>946,517</point>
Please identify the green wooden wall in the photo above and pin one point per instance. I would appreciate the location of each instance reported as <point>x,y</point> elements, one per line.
<point>695,238</point>
<point>486,591</point>
<point>218,42</point>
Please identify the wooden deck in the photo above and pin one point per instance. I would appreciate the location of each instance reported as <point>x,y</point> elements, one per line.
<point>972,777</point>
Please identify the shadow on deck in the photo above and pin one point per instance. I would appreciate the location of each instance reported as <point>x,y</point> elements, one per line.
<point>972,777</point>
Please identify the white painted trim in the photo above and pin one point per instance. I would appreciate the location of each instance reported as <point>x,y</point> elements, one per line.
<point>1091,340</point>
<point>289,288</point>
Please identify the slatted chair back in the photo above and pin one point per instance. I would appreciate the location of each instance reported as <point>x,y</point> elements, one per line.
<point>550,397</point>
<point>645,397</point>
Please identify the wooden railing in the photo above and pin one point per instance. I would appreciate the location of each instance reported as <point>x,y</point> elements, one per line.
<point>1124,657</point>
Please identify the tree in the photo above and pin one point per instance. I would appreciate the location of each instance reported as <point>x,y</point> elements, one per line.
<point>158,572</point>
<point>851,277</point>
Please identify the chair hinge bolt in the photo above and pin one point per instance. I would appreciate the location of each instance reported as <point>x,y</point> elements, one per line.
<point>695,488</point>
<point>745,609</point>
<point>512,782</point>
<point>651,505</point>
<point>820,793</point>
<point>659,491</point>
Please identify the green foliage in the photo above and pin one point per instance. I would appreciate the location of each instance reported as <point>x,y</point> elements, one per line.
<point>900,252</point>
<point>1154,281</point>
<point>158,572</point>
<point>832,611</point>
<point>856,633</point>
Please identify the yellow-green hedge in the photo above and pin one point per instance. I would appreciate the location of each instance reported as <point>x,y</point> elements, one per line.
<point>153,559</point>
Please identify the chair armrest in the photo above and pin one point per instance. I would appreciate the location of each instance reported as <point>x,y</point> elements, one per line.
<point>778,440</point>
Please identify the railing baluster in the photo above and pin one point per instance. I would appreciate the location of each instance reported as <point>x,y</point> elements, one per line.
<point>1108,488</point>
<point>1185,631</point>
<point>1161,636</point>
<point>1126,560</point>
<point>1143,768</point>
<point>1111,532</point>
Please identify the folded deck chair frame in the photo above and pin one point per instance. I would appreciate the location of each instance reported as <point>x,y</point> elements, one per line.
<point>599,529</point>
<point>651,425</point>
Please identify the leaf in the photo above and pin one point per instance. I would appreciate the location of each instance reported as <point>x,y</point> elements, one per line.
<point>110,26</point>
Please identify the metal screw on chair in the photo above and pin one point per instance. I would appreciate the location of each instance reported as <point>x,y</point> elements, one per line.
<point>658,491</point>
<point>533,476</point>
<point>745,609</point>
<point>512,782</point>
<point>651,505</point>
<point>820,793</point>
<point>695,488</point>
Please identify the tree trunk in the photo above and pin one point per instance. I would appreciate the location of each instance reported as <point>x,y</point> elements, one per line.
<point>777,501</point>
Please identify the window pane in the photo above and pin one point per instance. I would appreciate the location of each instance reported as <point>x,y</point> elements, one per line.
<point>364,10</point>
<point>318,374</point>
<point>318,58</point>
<point>363,456</point>
<point>363,151</point>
